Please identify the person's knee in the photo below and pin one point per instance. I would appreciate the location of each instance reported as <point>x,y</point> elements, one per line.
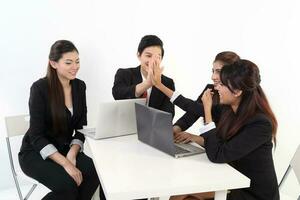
<point>86,165</point>
<point>71,195</point>
<point>70,191</point>
<point>66,193</point>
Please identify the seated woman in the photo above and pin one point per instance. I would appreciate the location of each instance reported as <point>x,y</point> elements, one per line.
<point>188,119</point>
<point>50,153</point>
<point>245,131</point>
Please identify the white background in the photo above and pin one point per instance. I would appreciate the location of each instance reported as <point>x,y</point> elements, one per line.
<point>107,34</point>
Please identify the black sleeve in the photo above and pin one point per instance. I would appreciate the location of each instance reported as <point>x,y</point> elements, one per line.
<point>37,109</point>
<point>123,89</point>
<point>188,105</point>
<point>83,119</point>
<point>250,137</point>
<point>188,119</point>
<point>167,105</point>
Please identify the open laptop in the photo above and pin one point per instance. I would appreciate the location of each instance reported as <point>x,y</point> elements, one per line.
<point>115,118</point>
<point>154,127</point>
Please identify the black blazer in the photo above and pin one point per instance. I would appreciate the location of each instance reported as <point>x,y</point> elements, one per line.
<point>249,151</point>
<point>40,132</point>
<point>127,79</point>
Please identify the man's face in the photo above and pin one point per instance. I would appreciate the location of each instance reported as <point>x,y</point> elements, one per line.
<point>149,53</point>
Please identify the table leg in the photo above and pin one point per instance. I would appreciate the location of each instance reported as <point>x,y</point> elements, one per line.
<point>221,195</point>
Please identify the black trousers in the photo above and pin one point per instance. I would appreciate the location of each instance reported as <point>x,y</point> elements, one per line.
<point>54,177</point>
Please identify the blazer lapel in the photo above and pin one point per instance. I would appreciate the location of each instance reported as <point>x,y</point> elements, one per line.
<point>137,76</point>
<point>74,98</point>
<point>155,97</point>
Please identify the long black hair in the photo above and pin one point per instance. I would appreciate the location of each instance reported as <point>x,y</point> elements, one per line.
<point>56,93</point>
<point>244,75</point>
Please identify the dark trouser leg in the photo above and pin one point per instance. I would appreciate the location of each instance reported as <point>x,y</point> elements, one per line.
<point>51,175</point>
<point>101,193</point>
<point>90,178</point>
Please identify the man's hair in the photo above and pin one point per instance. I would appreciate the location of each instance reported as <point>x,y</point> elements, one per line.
<point>148,41</point>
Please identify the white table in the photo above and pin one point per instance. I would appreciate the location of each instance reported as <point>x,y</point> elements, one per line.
<point>130,169</point>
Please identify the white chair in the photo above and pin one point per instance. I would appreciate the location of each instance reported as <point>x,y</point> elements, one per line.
<point>17,126</point>
<point>295,166</point>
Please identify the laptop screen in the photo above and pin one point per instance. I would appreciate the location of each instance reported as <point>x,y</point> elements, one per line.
<point>117,118</point>
<point>154,127</point>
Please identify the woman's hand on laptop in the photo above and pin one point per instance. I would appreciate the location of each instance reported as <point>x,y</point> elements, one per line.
<point>176,130</point>
<point>184,137</point>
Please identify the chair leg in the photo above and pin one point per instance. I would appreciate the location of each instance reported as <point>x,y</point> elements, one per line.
<point>13,169</point>
<point>18,187</point>
<point>15,174</point>
<point>30,191</point>
<point>286,174</point>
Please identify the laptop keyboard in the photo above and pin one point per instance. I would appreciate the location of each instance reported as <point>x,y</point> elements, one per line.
<point>179,150</point>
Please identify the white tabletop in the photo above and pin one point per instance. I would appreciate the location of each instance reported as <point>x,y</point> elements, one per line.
<point>130,169</point>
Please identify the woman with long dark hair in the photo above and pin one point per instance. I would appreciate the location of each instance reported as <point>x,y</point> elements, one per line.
<point>52,147</point>
<point>188,119</point>
<point>245,132</point>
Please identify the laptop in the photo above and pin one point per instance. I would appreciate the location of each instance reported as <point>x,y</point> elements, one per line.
<point>154,127</point>
<point>115,118</point>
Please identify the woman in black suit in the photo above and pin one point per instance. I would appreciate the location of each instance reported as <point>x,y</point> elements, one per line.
<point>188,119</point>
<point>244,133</point>
<point>52,147</point>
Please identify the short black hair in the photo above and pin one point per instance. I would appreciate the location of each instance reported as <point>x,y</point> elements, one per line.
<point>150,40</point>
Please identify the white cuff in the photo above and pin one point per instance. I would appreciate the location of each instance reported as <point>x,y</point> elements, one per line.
<point>79,142</point>
<point>207,127</point>
<point>174,96</point>
<point>47,151</point>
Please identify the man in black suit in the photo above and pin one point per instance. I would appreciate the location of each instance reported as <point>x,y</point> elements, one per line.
<point>137,83</point>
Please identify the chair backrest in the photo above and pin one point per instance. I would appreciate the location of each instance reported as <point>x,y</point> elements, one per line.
<point>17,125</point>
<point>295,163</point>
